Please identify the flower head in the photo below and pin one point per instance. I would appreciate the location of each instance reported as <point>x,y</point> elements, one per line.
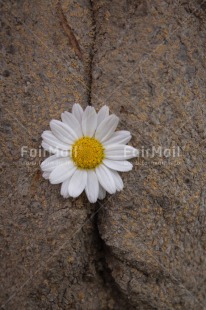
<point>87,153</point>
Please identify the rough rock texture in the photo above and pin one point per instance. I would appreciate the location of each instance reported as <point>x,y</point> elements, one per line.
<point>149,66</point>
<point>143,248</point>
<point>48,261</point>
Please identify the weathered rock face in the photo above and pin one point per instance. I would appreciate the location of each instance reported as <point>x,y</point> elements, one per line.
<point>48,261</point>
<point>151,56</point>
<point>145,247</point>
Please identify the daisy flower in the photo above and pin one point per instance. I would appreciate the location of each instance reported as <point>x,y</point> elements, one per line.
<point>87,153</point>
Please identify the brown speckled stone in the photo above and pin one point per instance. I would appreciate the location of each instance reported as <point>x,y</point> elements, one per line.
<point>151,55</point>
<point>149,67</point>
<point>48,261</point>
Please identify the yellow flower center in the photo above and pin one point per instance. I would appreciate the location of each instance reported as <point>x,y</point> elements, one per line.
<point>87,153</point>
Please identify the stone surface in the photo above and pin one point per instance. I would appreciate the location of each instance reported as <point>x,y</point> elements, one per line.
<point>48,261</point>
<point>151,56</point>
<point>143,248</point>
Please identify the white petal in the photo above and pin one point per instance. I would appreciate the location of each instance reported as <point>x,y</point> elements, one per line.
<point>62,172</point>
<point>54,150</point>
<point>120,152</point>
<point>65,188</point>
<point>46,175</point>
<point>89,121</point>
<point>119,165</point>
<point>77,111</point>
<point>92,187</point>
<point>106,128</point>
<point>102,192</point>
<point>46,162</point>
<point>118,180</point>
<point>63,132</point>
<point>53,161</point>
<point>102,114</point>
<point>77,183</point>
<point>70,120</point>
<point>50,139</point>
<point>105,179</point>
<point>119,137</point>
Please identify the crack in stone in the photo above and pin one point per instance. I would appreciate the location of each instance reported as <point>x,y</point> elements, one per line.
<point>105,272</point>
<point>68,31</point>
<point>92,53</point>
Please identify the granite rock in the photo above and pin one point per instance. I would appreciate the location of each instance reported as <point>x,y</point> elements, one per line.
<point>143,248</point>
<point>151,55</point>
<point>51,255</point>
